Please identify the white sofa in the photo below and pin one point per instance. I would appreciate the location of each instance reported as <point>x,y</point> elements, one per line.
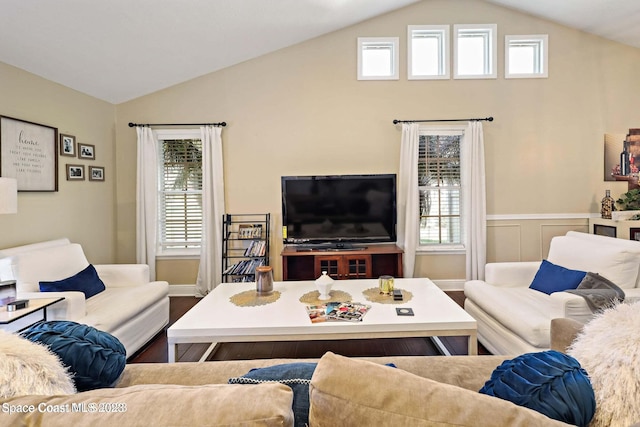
<point>513,319</point>
<point>131,308</point>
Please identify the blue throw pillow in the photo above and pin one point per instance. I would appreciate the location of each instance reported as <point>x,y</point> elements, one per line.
<point>95,358</point>
<point>549,382</point>
<point>552,278</point>
<point>86,281</point>
<point>295,375</point>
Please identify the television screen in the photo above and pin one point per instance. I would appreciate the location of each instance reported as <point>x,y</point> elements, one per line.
<point>339,208</point>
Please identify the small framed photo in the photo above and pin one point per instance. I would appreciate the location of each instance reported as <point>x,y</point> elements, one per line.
<point>86,151</point>
<point>75,172</point>
<point>96,173</point>
<point>67,145</point>
<point>634,234</point>
<point>604,230</point>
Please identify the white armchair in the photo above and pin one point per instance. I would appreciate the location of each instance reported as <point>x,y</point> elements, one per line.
<point>513,319</point>
<point>132,308</point>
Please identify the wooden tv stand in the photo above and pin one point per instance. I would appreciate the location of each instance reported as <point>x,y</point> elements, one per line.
<point>367,262</point>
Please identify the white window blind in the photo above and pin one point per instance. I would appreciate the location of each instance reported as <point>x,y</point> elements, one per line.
<point>180,182</point>
<point>440,188</point>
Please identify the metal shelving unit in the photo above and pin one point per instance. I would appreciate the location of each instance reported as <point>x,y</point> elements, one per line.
<point>245,245</point>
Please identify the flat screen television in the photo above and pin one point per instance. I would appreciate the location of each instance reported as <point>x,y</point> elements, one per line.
<point>338,210</point>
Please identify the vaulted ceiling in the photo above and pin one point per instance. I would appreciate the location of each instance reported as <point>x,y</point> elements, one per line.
<point>118,50</point>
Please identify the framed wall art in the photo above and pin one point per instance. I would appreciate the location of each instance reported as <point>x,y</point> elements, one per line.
<point>86,151</point>
<point>67,145</point>
<point>75,172</point>
<point>28,153</point>
<point>96,173</point>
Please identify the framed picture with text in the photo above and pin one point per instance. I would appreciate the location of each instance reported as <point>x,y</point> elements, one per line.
<point>28,154</point>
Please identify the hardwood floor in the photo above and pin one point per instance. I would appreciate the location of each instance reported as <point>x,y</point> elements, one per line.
<point>156,350</point>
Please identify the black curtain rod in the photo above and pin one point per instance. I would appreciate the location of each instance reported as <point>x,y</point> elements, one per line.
<point>489,119</point>
<point>223,124</point>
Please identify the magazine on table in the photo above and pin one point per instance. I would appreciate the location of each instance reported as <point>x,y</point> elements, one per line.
<point>337,311</point>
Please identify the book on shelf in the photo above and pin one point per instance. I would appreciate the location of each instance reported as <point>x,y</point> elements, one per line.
<point>337,312</point>
<point>250,231</point>
<point>247,266</point>
<point>256,248</point>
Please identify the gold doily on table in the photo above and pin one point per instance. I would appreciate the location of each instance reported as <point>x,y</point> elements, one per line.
<point>253,299</point>
<point>311,298</point>
<point>374,295</point>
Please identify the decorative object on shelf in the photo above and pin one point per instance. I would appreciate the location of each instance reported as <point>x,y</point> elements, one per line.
<point>324,284</point>
<point>264,280</point>
<point>67,145</point>
<point>629,203</point>
<point>311,298</point>
<point>385,284</point>
<point>252,299</point>
<point>86,151</point>
<point>28,153</point>
<point>374,295</point>
<point>608,205</point>
<point>8,195</point>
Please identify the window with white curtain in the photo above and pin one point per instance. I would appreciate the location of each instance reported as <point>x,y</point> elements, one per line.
<point>440,188</point>
<point>179,192</point>
<point>428,52</point>
<point>475,51</point>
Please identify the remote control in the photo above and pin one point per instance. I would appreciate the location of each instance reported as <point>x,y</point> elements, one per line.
<point>397,295</point>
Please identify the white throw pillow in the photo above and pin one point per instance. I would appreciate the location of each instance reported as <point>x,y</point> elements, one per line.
<point>608,348</point>
<point>28,368</point>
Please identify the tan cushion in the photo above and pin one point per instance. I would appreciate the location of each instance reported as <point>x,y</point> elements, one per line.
<point>154,405</point>
<point>354,392</point>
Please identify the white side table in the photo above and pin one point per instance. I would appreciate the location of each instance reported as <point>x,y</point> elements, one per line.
<point>14,321</point>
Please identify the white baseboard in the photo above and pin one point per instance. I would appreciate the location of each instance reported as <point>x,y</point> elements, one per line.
<point>450,284</point>
<point>182,290</point>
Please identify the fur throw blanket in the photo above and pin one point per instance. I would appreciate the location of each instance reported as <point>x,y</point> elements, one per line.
<point>27,368</point>
<point>608,348</point>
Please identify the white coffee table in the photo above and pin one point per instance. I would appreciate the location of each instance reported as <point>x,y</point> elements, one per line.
<point>216,319</point>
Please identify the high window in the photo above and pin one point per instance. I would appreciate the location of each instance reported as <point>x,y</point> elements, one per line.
<point>526,56</point>
<point>378,58</point>
<point>428,56</point>
<point>475,55</point>
<point>180,192</point>
<point>440,188</point>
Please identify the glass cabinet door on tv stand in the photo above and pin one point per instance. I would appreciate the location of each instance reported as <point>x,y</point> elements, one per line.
<point>245,245</point>
<point>344,266</point>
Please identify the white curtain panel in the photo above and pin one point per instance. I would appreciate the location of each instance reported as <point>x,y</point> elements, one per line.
<point>408,197</point>
<point>213,208</point>
<point>474,200</point>
<point>146,199</point>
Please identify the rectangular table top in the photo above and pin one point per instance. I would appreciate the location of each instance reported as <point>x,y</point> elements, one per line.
<point>35,304</point>
<point>216,318</point>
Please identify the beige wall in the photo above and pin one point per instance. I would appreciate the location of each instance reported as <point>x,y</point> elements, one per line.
<point>81,210</point>
<point>301,111</point>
